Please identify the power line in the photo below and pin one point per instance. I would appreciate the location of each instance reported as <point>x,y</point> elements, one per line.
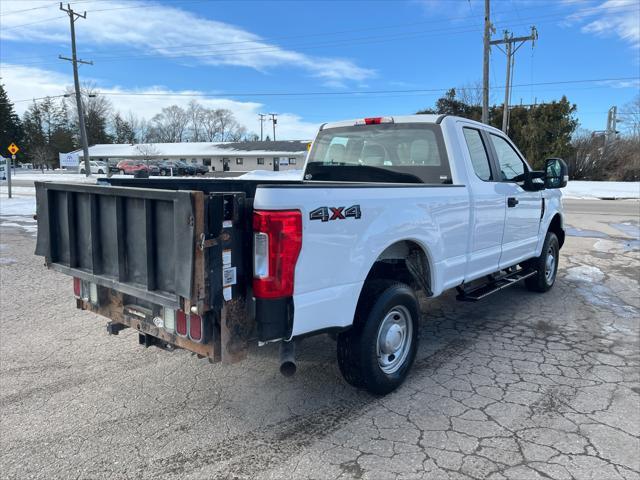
<point>341,93</point>
<point>161,52</point>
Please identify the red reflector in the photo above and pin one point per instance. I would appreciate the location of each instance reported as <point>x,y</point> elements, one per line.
<point>372,120</point>
<point>76,287</point>
<point>284,229</point>
<point>195,327</point>
<point>181,323</point>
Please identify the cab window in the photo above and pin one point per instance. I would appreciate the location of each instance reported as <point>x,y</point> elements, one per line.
<point>511,165</point>
<point>478,153</point>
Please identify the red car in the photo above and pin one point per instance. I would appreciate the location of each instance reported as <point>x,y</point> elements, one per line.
<point>132,167</point>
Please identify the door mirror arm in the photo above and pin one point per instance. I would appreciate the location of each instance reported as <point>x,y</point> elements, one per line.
<point>534,181</point>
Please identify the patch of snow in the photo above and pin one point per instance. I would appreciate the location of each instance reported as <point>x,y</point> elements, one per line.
<point>17,191</point>
<point>270,175</point>
<point>18,206</point>
<point>584,273</point>
<point>586,189</point>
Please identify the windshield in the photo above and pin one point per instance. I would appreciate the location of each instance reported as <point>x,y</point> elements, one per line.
<point>406,153</point>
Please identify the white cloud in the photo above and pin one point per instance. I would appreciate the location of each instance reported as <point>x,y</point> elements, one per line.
<point>149,28</point>
<point>23,83</point>
<point>617,17</point>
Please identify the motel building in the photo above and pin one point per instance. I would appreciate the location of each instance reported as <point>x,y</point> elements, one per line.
<point>217,156</point>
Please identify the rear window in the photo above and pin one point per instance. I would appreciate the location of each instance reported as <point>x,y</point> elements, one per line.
<point>395,153</point>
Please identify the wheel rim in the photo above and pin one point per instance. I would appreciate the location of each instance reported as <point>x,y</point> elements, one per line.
<point>550,265</point>
<point>395,335</point>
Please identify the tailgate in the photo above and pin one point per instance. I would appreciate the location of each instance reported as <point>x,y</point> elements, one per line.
<point>153,246</point>
<point>135,240</point>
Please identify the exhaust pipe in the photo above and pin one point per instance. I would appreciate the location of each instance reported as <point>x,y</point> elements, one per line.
<point>288,365</point>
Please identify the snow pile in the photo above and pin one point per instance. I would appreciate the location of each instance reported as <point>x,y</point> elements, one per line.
<point>608,190</point>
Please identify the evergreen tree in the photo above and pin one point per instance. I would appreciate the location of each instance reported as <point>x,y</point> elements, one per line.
<point>48,132</point>
<point>540,131</point>
<point>10,126</point>
<point>123,130</point>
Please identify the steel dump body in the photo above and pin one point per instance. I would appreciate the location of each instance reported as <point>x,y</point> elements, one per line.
<point>152,245</point>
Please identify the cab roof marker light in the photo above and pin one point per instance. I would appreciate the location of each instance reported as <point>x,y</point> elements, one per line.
<point>374,120</point>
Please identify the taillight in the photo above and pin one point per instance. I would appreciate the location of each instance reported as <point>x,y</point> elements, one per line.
<point>181,323</point>
<point>76,287</point>
<point>195,327</point>
<point>276,246</point>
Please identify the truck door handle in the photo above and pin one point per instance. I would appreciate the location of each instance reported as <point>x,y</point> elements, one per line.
<point>512,202</point>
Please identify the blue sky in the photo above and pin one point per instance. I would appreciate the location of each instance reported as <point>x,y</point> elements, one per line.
<point>232,53</point>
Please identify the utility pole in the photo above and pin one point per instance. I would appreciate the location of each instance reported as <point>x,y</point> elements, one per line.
<point>275,121</point>
<point>73,16</point>
<point>510,52</point>
<point>485,62</point>
<point>262,118</point>
<point>610,132</point>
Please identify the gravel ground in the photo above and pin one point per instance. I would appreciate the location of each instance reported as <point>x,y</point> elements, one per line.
<point>519,386</point>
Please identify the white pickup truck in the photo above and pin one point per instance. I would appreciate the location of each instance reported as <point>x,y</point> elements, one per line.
<point>386,206</point>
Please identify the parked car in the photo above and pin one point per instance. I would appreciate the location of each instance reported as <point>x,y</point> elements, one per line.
<point>388,206</point>
<point>171,167</point>
<point>134,167</point>
<point>201,169</point>
<point>189,168</point>
<point>96,167</point>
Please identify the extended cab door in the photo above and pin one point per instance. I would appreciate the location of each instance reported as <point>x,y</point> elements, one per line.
<point>524,209</point>
<point>488,207</point>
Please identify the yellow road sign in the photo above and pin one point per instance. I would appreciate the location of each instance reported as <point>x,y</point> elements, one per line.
<point>13,149</point>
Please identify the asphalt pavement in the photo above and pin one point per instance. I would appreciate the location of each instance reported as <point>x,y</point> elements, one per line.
<point>519,386</point>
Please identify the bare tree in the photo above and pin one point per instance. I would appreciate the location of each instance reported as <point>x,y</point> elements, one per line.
<point>97,111</point>
<point>226,123</point>
<point>148,151</point>
<point>196,113</point>
<point>470,93</point>
<point>170,125</point>
<point>630,117</point>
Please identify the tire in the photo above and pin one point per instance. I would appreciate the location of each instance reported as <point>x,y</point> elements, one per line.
<point>162,173</point>
<point>384,306</point>
<point>100,172</point>
<point>82,171</point>
<point>546,265</point>
<point>121,172</point>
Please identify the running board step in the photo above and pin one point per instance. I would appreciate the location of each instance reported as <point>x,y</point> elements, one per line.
<point>495,285</point>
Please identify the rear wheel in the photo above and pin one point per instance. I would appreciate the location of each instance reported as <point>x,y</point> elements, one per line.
<point>377,352</point>
<point>546,265</point>
<point>121,172</point>
<point>82,171</point>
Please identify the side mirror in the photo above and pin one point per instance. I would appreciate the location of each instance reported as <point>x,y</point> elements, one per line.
<point>556,173</point>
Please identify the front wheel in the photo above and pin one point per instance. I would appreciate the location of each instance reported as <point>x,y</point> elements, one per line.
<point>82,171</point>
<point>546,265</point>
<point>377,352</point>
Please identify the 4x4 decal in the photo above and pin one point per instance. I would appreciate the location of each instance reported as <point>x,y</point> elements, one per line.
<point>335,213</point>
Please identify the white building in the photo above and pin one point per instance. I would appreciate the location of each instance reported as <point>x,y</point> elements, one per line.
<point>218,156</point>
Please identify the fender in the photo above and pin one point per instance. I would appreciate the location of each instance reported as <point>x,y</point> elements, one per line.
<point>553,207</point>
